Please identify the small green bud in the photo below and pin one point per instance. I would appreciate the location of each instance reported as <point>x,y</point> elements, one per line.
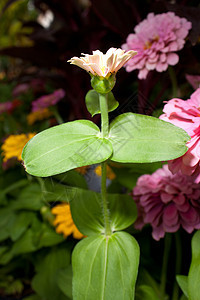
<point>103,85</point>
<point>46,214</point>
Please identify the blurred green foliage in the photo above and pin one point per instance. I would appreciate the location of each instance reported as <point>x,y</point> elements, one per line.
<point>13,30</point>
<point>35,260</point>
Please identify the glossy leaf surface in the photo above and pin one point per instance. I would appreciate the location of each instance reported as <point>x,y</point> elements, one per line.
<point>143,139</point>
<point>105,268</point>
<point>65,147</point>
<point>64,281</point>
<point>92,102</point>
<point>183,283</point>
<point>145,292</point>
<point>86,209</point>
<point>47,267</point>
<point>194,272</point>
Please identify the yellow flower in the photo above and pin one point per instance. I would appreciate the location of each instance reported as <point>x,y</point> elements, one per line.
<point>14,144</point>
<point>109,172</point>
<point>64,221</point>
<point>103,64</point>
<point>38,115</point>
<point>82,170</point>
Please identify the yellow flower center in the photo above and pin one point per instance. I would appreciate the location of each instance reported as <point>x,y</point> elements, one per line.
<point>149,43</point>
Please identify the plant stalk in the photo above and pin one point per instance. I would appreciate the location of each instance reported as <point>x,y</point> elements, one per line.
<point>104,114</point>
<point>57,115</point>
<point>175,294</point>
<point>167,246</point>
<point>106,213</point>
<point>104,131</point>
<point>173,79</point>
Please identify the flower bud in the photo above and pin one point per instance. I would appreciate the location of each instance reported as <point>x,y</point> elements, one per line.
<point>103,85</point>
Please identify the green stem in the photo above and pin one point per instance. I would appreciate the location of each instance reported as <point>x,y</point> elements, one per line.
<point>57,115</point>
<point>167,245</point>
<point>41,183</point>
<point>108,230</point>
<point>173,79</point>
<point>104,114</point>
<point>175,294</point>
<point>104,131</point>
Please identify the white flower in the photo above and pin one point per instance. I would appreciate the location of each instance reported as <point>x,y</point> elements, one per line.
<point>103,64</point>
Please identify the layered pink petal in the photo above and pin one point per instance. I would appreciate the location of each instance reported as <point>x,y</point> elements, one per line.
<point>167,201</point>
<point>156,39</point>
<point>186,115</point>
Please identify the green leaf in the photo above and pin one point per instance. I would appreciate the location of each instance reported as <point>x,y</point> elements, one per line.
<point>145,292</point>
<point>183,283</point>
<point>72,178</point>
<point>183,297</point>
<point>44,235</point>
<point>64,280</point>
<point>126,177</point>
<point>143,139</point>
<point>37,236</point>
<point>65,147</point>
<point>123,211</point>
<point>48,237</point>
<point>86,209</point>
<point>19,184</point>
<point>194,272</point>
<point>145,279</point>
<point>30,198</point>
<point>21,223</point>
<point>23,245</point>
<point>32,297</point>
<point>14,287</point>
<point>105,268</point>
<point>92,102</point>
<point>86,212</point>
<point>47,267</point>
<point>7,219</point>
<point>55,192</point>
<point>3,249</point>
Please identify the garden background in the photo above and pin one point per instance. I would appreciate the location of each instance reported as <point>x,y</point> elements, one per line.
<point>38,90</point>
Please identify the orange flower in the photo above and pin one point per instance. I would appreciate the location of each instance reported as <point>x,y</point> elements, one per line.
<point>64,222</point>
<point>109,172</point>
<point>14,144</point>
<point>38,115</point>
<point>82,170</point>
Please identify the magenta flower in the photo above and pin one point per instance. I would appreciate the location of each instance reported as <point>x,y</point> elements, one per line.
<point>167,202</point>
<point>186,115</point>
<point>5,106</point>
<point>20,89</point>
<point>156,39</point>
<point>48,100</point>
<point>194,80</point>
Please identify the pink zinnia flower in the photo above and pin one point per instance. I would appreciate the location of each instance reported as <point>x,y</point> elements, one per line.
<point>186,115</point>
<point>194,80</point>
<point>5,106</point>
<point>103,64</point>
<point>48,100</point>
<point>20,89</point>
<point>156,39</point>
<point>167,202</point>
